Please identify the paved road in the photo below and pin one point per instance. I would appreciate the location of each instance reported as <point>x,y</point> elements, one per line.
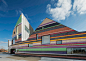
<point>3,57</point>
<point>57,59</point>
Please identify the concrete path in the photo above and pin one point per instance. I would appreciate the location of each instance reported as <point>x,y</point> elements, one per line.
<point>57,59</point>
<point>3,58</point>
<point>8,57</point>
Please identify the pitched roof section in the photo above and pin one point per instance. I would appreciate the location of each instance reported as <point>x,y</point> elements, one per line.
<point>45,22</point>
<point>19,21</point>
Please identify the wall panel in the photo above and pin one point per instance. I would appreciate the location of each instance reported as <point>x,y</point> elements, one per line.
<point>74,40</point>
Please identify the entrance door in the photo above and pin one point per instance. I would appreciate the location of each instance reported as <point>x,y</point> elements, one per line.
<point>69,50</point>
<point>12,51</point>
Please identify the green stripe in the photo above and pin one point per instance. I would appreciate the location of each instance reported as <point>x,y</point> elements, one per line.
<point>19,21</point>
<point>44,49</point>
<point>47,28</point>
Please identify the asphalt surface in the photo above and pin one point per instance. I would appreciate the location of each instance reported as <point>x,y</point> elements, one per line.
<point>3,57</point>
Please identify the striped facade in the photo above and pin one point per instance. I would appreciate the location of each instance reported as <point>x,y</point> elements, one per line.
<point>70,39</point>
<point>17,32</point>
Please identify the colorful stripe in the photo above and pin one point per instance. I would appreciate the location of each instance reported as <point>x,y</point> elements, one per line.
<point>52,33</point>
<point>36,41</point>
<point>47,28</point>
<point>44,49</point>
<point>56,27</point>
<point>45,52</point>
<point>57,46</point>
<point>46,24</point>
<point>74,42</point>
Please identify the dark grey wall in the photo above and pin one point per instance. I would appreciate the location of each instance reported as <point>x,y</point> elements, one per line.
<point>31,29</point>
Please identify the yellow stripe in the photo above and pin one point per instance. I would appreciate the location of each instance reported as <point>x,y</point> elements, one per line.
<point>21,42</point>
<point>32,40</point>
<point>24,43</point>
<point>68,35</point>
<point>36,42</point>
<point>17,43</point>
<point>68,38</point>
<point>55,39</point>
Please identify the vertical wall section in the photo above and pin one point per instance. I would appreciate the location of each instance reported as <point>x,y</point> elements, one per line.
<point>25,23</point>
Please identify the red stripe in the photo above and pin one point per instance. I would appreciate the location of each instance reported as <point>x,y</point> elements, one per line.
<point>63,32</point>
<point>61,44</point>
<point>56,33</point>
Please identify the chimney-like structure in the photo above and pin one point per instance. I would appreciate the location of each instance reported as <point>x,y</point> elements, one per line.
<point>12,42</point>
<point>22,30</point>
<point>8,43</point>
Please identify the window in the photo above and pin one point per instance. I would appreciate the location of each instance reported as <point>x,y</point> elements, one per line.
<point>42,27</point>
<point>36,36</point>
<point>27,29</point>
<point>76,50</point>
<point>16,50</point>
<point>13,41</point>
<point>15,38</point>
<point>19,36</point>
<point>30,45</point>
<point>14,32</point>
<point>59,42</point>
<point>46,39</point>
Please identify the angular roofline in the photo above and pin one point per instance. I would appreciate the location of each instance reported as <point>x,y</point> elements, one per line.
<point>18,21</point>
<point>57,22</point>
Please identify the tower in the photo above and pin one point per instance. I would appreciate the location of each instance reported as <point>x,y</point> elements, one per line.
<point>22,30</point>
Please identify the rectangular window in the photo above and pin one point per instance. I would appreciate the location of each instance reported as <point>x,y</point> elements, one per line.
<point>30,45</point>
<point>13,41</point>
<point>16,50</point>
<point>59,42</point>
<point>76,50</point>
<point>46,39</point>
<point>36,36</point>
<point>42,27</point>
<point>27,29</point>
